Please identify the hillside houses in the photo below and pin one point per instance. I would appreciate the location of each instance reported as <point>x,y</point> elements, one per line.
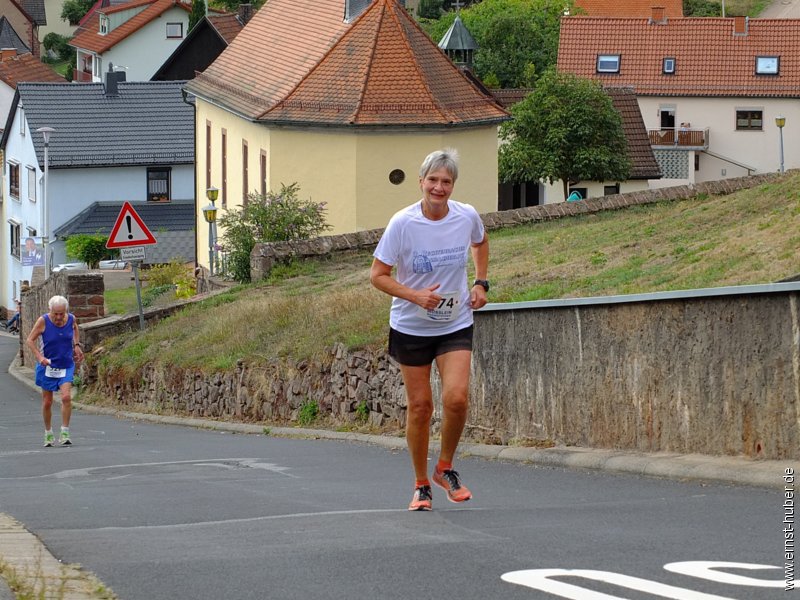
<point>113,142</point>
<point>709,89</point>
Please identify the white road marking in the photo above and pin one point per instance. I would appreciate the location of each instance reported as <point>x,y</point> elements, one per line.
<point>251,463</point>
<point>705,569</point>
<point>539,579</point>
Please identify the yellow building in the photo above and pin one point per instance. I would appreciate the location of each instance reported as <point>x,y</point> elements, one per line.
<point>345,98</point>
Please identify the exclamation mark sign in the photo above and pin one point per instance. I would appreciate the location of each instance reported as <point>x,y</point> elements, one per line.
<point>128,221</point>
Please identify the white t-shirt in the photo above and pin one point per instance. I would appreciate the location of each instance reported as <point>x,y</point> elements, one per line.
<point>425,253</point>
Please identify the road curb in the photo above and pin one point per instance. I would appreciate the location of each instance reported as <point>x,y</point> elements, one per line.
<point>25,561</point>
<point>686,467</point>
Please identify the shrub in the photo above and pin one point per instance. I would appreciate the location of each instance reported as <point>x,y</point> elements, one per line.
<point>173,275</point>
<point>89,248</point>
<point>276,217</point>
<point>308,412</point>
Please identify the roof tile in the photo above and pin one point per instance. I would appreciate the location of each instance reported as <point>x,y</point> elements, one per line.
<point>709,59</point>
<point>380,70</point>
<point>26,67</point>
<point>630,8</point>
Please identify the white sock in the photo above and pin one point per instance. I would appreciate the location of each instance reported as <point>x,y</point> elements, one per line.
<point>65,429</point>
<point>48,431</point>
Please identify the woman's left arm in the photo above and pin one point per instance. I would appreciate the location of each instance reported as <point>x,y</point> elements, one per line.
<point>480,256</point>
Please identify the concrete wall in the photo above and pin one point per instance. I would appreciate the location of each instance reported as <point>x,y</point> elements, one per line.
<point>708,371</point>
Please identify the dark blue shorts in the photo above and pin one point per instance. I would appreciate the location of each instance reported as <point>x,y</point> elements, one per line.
<point>52,384</point>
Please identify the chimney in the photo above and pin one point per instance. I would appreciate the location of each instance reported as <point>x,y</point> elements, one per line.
<point>112,80</point>
<point>658,16</point>
<point>245,13</point>
<point>7,53</point>
<point>740,25</point>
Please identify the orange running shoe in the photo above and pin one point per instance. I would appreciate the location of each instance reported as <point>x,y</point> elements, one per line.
<point>450,481</point>
<point>422,498</point>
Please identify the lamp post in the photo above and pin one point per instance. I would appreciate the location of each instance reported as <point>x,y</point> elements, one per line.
<point>210,215</point>
<point>780,121</point>
<point>46,131</point>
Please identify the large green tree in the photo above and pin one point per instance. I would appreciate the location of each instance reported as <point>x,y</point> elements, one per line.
<point>567,129</point>
<point>518,39</point>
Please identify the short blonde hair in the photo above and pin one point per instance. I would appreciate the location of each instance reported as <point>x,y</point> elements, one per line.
<point>446,159</point>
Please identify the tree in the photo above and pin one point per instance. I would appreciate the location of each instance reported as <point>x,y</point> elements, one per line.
<point>702,8</point>
<point>90,249</point>
<point>275,217</point>
<point>197,14</point>
<point>567,129</point>
<point>517,39</point>
<point>73,11</point>
<point>58,45</point>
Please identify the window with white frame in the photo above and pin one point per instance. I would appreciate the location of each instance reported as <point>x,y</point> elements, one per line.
<point>174,31</point>
<point>668,66</point>
<point>96,67</point>
<point>103,25</point>
<point>31,184</point>
<point>14,238</point>
<point>608,63</point>
<point>13,180</point>
<point>767,65</point>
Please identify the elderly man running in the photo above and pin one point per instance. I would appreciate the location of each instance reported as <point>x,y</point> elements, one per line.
<point>56,355</point>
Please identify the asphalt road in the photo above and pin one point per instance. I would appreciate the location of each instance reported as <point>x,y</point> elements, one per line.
<point>173,512</point>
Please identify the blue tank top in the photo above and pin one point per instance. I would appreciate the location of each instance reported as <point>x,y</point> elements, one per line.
<point>57,343</point>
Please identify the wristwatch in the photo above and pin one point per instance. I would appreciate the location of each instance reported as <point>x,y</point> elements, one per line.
<point>481,282</point>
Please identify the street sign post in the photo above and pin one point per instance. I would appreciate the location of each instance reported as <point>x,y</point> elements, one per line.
<point>130,235</point>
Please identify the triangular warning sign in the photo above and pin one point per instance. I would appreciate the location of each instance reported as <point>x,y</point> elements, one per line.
<point>129,230</point>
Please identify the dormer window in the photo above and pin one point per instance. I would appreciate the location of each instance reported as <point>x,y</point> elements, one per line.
<point>767,65</point>
<point>668,65</point>
<point>103,25</point>
<point>608,63</point>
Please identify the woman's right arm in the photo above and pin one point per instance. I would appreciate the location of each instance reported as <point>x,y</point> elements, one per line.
<point>38,329</point>
<point>380,275</point>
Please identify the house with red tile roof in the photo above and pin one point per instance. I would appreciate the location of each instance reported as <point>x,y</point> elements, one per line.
<point>711,90</point>
<point>15,68</point>
<point>137,36</point>
<point>345,98</point>
<point>630,8</point>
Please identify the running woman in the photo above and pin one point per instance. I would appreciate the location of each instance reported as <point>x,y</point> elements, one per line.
<point>428,244</point>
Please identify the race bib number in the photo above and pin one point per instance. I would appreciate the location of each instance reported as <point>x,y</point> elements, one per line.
<point>55,373</point>
<point>447,310</point>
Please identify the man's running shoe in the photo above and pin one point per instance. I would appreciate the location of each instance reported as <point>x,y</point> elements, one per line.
<point>49,439</point>
<point>450,481</point>
<point>65,441</point>
<point>422,498</point>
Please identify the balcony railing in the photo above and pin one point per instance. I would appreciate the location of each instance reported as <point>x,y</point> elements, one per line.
<point>689,139</point>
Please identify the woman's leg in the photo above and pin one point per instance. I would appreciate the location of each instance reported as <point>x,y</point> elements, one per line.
<point>418,416</point>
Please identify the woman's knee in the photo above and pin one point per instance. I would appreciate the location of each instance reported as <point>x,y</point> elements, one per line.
<point>420,409</point>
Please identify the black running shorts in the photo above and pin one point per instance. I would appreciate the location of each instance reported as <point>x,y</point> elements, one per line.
<point>419,350</point>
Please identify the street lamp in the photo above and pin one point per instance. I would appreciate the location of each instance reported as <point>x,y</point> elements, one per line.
<point>46,131</point>
<point>210,215</point>
<point>780,121</point>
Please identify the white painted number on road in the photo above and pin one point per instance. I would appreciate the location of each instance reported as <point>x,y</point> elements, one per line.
<point>543,580</point>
